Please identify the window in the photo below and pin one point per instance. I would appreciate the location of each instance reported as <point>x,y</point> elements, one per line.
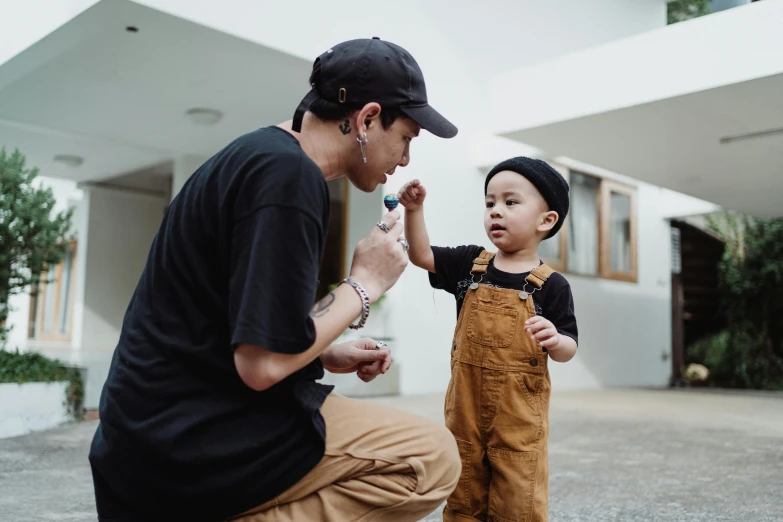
<point>618,232</point>
<point>582,226</point>
<point>598,237</point>
<point>550,250</point>
<point>51,301</point>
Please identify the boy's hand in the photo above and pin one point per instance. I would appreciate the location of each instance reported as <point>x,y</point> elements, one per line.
<point>412,195</point>
<point>543,331</point>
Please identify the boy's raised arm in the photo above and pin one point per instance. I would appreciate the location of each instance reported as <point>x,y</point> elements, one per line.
<point>412,196</point>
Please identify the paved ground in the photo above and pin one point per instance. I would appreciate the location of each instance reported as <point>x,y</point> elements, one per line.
<point>618,455</point>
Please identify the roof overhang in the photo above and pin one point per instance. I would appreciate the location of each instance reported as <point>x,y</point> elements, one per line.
<point>118,98</point>
<point>695,107</point>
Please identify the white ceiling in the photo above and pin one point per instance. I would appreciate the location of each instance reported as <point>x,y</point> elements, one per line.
<point>524,32</point>
<point>119,98</point>
<point>675,143</point>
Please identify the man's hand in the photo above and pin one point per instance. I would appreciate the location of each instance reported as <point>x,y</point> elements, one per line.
<point>561,348</point>
<point>379,259</point>
<point>360,356</point>
<point>412,195</point>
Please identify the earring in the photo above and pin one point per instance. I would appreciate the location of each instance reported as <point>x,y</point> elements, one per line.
<point>362,143</point>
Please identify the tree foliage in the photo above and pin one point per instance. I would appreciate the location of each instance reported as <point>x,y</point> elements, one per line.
<point>32,236</point>
<point>749,354</point>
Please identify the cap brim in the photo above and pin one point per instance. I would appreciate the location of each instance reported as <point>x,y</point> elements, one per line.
<point>431,120</point>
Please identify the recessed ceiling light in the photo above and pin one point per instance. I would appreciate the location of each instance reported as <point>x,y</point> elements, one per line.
<point>69,160</point>
<point>202,116</point>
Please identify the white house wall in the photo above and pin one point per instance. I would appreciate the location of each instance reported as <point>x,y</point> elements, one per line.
<point>624,328</point>
<point>724,48</point>
<point>184,167</point>
<point>122,226</point>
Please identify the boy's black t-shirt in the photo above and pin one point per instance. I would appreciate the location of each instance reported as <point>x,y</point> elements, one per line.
<point>236,260</point>
<point>553,301</point>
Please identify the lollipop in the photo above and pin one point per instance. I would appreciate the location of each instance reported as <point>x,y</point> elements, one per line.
<point>391,201</point>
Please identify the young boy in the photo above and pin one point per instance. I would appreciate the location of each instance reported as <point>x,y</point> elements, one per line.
<point>514,313</point>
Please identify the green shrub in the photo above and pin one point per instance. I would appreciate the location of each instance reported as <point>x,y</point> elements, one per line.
<point>681,10</point>
<point>711,352</point>
<point>749,353</point>
<point>20,368</point>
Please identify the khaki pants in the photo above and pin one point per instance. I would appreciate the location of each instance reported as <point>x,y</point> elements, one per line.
<point>380,465</point>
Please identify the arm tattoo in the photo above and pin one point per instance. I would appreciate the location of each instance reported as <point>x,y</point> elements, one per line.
<point>345,127</point>
<point>321,308</point>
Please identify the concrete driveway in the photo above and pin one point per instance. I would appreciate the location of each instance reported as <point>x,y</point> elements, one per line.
<point>615,455</point>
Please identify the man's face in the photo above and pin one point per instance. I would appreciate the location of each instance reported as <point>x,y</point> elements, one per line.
<point>386,149</point>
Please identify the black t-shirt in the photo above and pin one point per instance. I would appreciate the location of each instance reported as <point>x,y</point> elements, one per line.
<point>553,301</point>
<point>235,260</point>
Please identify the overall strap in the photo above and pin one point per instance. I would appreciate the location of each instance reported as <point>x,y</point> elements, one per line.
<point>481,263</point>
<point>538,276</point>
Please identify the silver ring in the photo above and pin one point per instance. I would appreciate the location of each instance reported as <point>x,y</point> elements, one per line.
<point>404,242</point>
<point>383,226</point>
<point>379,345</point>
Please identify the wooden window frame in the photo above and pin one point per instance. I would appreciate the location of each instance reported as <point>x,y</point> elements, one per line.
<point>603,195</point>
<point>559,265</point>
<point>40,301</point>
<point>342,268</point>
<point>605,257</point>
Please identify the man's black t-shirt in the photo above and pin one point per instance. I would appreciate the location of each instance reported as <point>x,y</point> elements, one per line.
<point>553,301</point>
<point>235,260</point>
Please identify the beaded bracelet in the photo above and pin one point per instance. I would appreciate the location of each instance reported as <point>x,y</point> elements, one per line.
<point>365,302</point>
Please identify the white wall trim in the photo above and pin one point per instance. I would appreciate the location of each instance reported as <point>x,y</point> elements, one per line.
<point>33,406</point>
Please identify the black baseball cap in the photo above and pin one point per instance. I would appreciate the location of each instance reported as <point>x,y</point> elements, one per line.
<point>362,71</point>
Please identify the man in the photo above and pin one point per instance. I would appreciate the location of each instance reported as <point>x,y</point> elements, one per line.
<point>211,409</point>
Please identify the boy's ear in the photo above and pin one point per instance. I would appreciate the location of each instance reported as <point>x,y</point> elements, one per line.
<point>548,221</point>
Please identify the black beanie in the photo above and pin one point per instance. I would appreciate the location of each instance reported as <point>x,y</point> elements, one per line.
<point>549,182</point>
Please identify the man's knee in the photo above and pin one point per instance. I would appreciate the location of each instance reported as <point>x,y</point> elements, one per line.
<point>445,460</point>
<point>452,459</point>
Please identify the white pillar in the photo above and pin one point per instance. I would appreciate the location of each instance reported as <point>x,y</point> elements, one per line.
<point>184,167</point>
<point>18,320</point>
<point>82,226</point>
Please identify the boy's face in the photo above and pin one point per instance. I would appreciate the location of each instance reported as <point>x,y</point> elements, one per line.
<point>516,215</point>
